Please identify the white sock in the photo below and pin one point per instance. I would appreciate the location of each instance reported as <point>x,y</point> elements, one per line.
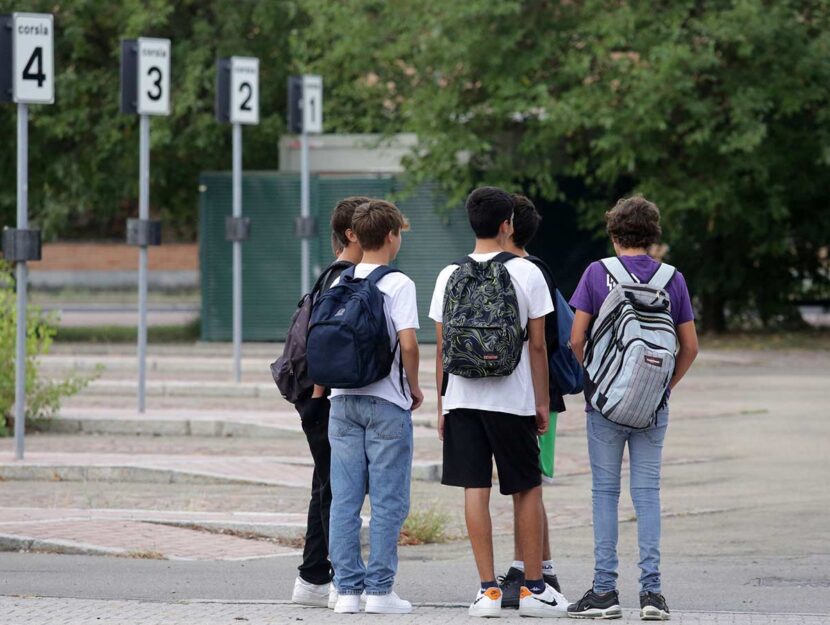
<point>548,568</point>
<point>518,564</point>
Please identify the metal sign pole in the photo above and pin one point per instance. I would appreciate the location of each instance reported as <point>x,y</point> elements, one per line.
<point>22,280</point>
<point>305,212</point>
<point>143,213</point>
<point>237,254</point>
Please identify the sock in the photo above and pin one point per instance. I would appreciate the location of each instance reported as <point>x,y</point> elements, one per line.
<point>536,586</point>
<point>548,568</point>
<point>488,585</point>
<point>518,564</point>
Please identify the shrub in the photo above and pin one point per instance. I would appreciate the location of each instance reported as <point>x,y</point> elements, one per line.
<point>423,526</point>
<point>43,396</point>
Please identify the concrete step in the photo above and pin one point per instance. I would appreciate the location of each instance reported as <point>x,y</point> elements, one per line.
<point>239,424</point>
<point>293,472</point>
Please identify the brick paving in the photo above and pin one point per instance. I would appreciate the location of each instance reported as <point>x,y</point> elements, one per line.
<point>59,611</point>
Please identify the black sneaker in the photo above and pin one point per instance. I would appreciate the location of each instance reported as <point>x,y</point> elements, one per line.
<point>553,582</point>
<point>592,605</point>
<point>653,607</point>
<point>510,585</point>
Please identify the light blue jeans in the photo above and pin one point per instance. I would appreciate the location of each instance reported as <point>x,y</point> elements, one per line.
<point>606,442</point>
<point>371,451</point>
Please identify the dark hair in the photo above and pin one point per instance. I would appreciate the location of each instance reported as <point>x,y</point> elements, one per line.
<point>633,222</point>
<point>487,208</point>
<point>374,220</point>
<point>341,219</point>
<point>526,220</point>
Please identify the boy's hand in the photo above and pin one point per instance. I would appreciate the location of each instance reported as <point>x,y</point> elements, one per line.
<point>417,396</point>
<point>440,424</point>
<point>542,419</point>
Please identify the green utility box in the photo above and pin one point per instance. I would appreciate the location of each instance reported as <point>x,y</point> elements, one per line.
<point>271,256</point>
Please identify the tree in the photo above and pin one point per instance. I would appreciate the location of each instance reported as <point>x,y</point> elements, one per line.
<point>84,152</point>
<point>716,111</point>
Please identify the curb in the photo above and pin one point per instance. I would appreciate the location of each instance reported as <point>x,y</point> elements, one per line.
<point>12,542</point>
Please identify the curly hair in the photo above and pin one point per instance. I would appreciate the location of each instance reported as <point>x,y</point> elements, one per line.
<point>634,222</point>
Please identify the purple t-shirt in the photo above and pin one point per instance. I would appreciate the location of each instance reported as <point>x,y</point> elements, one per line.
<point>596,284</point>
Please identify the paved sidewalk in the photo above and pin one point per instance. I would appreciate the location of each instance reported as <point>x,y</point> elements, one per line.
<point>41,610</point>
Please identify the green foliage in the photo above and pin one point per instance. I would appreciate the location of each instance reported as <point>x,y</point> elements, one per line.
<point>43,396</point>
<point>424,526</point>
<point>716,111</point>
<point>84,152</point>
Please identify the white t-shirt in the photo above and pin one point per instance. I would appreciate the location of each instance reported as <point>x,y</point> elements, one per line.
<point>401,314</point>
<point>513,393</point>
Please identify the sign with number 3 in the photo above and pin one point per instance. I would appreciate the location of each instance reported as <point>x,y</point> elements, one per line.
<point>153,76</point>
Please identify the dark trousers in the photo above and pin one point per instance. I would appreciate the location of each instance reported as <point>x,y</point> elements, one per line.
<point>316,568</point>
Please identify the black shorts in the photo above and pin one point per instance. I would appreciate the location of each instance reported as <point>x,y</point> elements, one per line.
<point>472,438</point>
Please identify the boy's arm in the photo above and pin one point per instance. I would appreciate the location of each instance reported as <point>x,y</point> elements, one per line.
<point>687,338</point>
<point>582,321</point>
<point>439,376</point>
<point>410,358</point>
<point>539,371</point>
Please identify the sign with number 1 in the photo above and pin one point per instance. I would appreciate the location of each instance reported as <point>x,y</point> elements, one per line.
<point>32,50</point>
<point>153,76</point>
<point>312,104</point>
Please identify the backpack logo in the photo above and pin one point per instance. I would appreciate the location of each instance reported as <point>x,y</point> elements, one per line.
<point>340,312</point>
<point>651,360</point>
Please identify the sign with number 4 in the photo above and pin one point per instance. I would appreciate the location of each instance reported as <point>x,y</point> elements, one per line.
<point>33,62</point>
<point>153,76</point>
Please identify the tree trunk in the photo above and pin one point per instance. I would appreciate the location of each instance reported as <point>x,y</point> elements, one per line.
<point>714,317</point>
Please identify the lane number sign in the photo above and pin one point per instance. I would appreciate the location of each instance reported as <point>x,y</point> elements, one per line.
<point>153,76</point>
<point>33,60</point>
<point>312,104</point>
<point>244,96</point>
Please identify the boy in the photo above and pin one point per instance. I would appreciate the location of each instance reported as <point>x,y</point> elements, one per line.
<point>526,220</point>
<point>480,418</point>
<point>370,432</point>
<point>633,226</point>
<point>312,586</point>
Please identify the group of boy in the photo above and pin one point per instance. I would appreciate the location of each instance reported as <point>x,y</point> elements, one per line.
<point>361,438</point>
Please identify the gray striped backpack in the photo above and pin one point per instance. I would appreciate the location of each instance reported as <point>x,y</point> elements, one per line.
<point>630,352</point>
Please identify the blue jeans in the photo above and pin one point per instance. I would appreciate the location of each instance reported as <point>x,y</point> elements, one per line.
<point>606,441</point>
<point>371,451</point>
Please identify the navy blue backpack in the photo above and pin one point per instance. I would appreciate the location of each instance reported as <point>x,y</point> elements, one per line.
<point>348,342</point>
<point>565,369</point>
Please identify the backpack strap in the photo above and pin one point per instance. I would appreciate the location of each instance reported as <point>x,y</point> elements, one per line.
<point>379,272</point>
<point>618,271</point>
<point>325,276</point>
<point>374,277</point>
<point>503,257</point>
<point>543,266</point>
<point>662,277</point>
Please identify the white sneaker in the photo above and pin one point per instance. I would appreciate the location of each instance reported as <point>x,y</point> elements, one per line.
<point>547,604</point>
<point>387,604</point>
<point>332,596</point>
<point>347,604</point>
<point>487,603</point>
<point>313,595</point>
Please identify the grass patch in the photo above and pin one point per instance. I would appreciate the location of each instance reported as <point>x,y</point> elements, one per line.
<point>813,339</point>
<point>144,555</point>
<point>424,526</point>
<point>188,333</point>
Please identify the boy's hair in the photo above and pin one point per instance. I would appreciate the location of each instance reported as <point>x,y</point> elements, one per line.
<point>634,222</point>
<point>487,209</point>
<point>526,220</point>
<point>374,220</point>
<point>341,220</point>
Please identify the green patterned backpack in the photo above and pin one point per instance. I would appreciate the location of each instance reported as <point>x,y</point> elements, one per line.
<point>482,333</point>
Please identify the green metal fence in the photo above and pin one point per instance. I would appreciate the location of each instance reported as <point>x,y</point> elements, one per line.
<point>271,257</point>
